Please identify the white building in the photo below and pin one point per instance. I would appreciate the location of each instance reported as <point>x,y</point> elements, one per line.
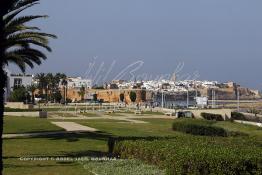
<point>16,80</point>
<point>78,82</point>
<point>20,80</point>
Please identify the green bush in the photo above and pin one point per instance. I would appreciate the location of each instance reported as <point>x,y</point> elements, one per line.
<point>240,116</point>
<point>237,116</point>
<point>196,155</point>
<point>19,94</point>
<point>198,127</point>
<point>209,116</point>
<point>132,96</point>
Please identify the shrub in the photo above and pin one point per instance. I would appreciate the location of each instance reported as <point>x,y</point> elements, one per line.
<point>132,96</point>
<point>209,116</point>
<point>198,127</point>
<point>19,94</point>
<point>237,116</point>
<point>122,97</point>
<point>196,155</point>
<point>240,116</point>
<point>7,109</point>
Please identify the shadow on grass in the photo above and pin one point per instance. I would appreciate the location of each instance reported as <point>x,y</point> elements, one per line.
<point>71,136</point>
<point>39,165</point>
<point>34,131</point>
<point>88,153</point>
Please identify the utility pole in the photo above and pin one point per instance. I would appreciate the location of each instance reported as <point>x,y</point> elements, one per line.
<point>238,100</point>
<point>196,93</point>
<point>162,99</point>
<point>196,98</point>
<point>187,99</point>
<point>213,98</point>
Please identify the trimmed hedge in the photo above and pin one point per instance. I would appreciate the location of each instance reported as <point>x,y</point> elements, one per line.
<point>7,109</point>
<point>240,116</point>
<point>198,127</point>
<point>196,155</point>
<point>209,116</point>
<point>237,116</point>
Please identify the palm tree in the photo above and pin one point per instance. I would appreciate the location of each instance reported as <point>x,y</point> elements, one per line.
<point>42,83</point>
<point>82,93</point>
<point>16,41</point>
<point>32,88</point>
<point>64,84</point>
<point>50,85</point>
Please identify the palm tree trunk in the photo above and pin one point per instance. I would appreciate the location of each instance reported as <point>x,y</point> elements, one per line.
<point>2,81</point>
<point>2,92</point>
<point>33,97</point>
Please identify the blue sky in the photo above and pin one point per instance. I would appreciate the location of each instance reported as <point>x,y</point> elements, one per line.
<point>221,39</point>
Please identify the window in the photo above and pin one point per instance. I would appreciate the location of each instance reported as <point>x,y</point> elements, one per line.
<point>17,82</point>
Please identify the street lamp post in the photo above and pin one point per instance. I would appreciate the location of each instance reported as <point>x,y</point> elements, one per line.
<point>162,99</point>
<point>187,99</point>
<point>238,100</point>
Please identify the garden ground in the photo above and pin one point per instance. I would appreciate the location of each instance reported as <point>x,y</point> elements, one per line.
<point>89,145</point>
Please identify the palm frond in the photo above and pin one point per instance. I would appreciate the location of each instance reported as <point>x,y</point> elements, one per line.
<point>23,42</point>
<point>27,52</point>
<point>17,4</point>
<point>27,56</point>
<point>19,39</point>
<point>19,28</point>
<point>16,59</point>
<point>23,19</point>
<point>37,35</point>
<point>13,13</point>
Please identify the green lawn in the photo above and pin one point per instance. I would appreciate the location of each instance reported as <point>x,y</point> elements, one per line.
<point>88,144</point>
<point>115,114</point>
<point>73,145</point>
<point>90,114</point>
<point>64,114</point>
<point>143,113</point>
<point>27,125</point>
<point>155,127</point>
<point>253,131</point>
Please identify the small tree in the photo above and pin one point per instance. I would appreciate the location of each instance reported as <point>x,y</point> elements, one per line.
<point>132,96</point>
<point>82,92</point>
<point>56,96</point>
<point>19,94</point>
<point>32,88</point>
<point>143,95</point>
<point>95,97</point>
<point>122,97</point>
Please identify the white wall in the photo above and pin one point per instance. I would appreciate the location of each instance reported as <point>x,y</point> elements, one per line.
<point>26,80</point>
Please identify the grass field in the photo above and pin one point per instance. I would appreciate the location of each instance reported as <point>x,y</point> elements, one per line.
<point>14,125</point>
<point>87,145</point>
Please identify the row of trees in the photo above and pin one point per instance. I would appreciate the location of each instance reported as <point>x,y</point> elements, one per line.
<point>132,96</point>
<point>48,86</point>
<point>47,89</point>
